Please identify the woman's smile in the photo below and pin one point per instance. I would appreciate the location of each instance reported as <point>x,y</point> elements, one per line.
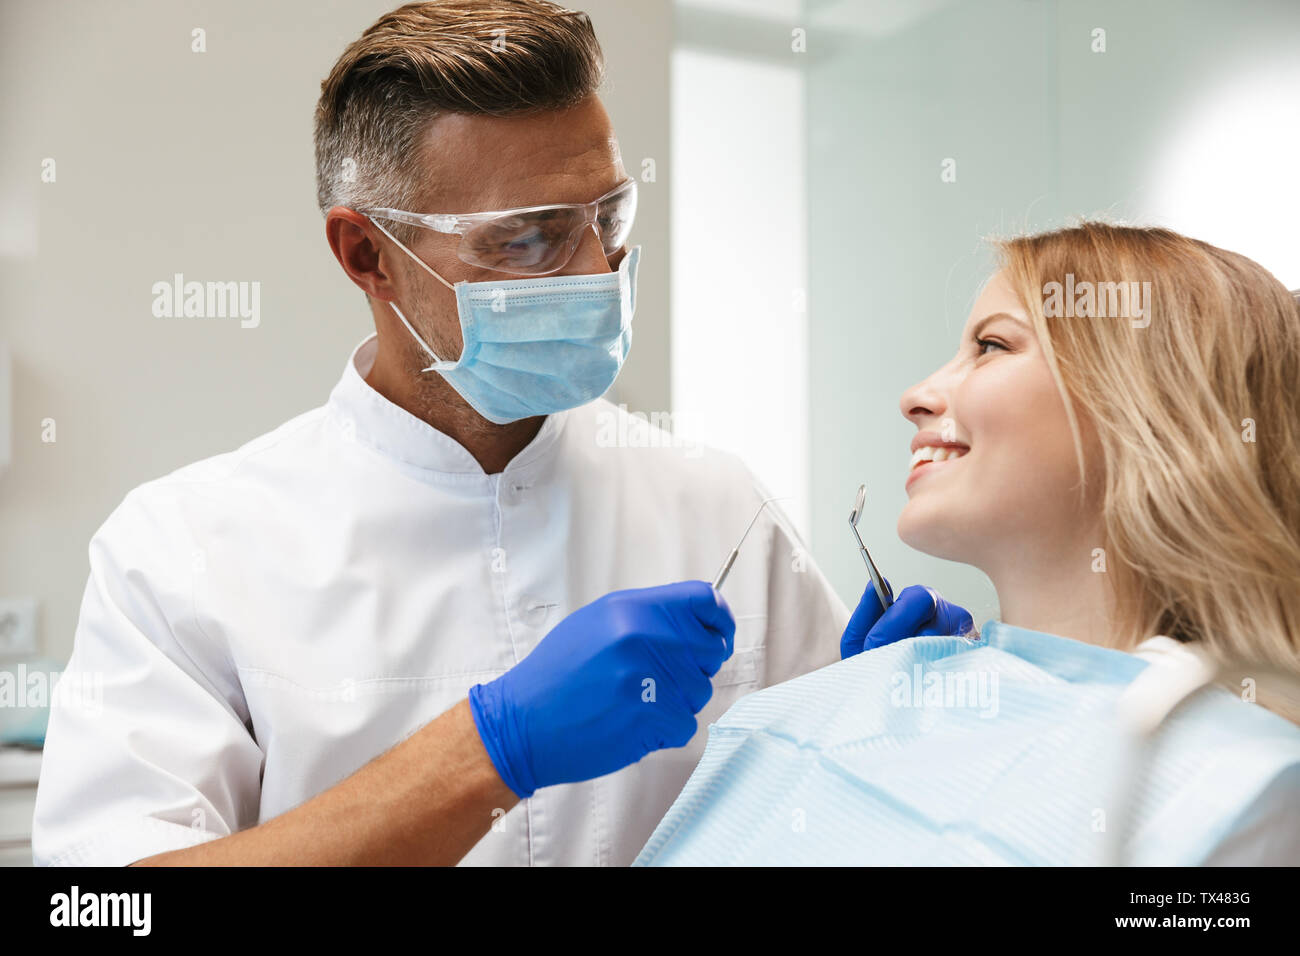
<point>929,453</point>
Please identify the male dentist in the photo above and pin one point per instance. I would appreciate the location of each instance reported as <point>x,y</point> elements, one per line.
<point>430,621</point>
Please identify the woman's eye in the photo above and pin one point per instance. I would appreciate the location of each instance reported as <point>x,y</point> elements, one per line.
<point>982,344</point>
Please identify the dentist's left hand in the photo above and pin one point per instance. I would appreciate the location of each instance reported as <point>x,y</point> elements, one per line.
<point>916,611</point>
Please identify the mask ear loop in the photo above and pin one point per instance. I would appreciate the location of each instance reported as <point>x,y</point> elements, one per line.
<point>439,365</point>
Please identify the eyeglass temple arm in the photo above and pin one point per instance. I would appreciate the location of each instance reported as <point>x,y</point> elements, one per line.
<point>436,222</point>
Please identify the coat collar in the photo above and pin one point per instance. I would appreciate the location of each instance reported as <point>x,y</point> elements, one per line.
<point>368,417</point>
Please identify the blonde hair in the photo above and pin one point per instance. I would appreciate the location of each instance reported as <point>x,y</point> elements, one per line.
<point>1195,418</point>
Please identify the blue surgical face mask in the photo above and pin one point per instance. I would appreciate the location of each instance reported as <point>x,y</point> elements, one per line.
<point>536,346</point>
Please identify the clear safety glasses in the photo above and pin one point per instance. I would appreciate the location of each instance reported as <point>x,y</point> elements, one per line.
<point>533,240</point>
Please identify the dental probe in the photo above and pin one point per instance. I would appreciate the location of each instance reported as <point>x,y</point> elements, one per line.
<point>735,552</point>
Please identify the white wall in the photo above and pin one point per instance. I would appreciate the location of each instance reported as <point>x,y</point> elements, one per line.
<point>739,319</point>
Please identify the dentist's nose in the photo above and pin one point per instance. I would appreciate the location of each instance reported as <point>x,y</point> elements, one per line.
<point>589,258</point>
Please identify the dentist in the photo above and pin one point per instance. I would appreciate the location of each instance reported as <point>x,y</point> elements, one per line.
<point>427,622</point>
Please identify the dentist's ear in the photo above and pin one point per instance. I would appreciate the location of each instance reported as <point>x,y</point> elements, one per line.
<point>354,241</point>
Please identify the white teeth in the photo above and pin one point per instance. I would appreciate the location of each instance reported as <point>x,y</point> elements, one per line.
<point>935,453</point>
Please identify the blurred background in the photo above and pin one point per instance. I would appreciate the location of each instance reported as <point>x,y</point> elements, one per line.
<point>817,179</point>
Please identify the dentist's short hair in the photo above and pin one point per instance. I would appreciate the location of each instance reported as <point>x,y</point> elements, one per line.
<point>488,57</point>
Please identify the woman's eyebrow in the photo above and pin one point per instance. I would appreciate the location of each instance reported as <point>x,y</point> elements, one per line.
<point>979,326</point>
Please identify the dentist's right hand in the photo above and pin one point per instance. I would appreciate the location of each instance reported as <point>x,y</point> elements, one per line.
<point>615,680</point>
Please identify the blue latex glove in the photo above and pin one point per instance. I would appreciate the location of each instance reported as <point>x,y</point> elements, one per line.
<point>917,611</point>
<point>581,705</point>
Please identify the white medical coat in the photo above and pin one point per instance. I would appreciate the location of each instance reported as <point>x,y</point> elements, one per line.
<point>267,621</point>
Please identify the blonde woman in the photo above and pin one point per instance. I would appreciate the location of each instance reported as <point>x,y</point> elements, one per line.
<point>1116,444</point>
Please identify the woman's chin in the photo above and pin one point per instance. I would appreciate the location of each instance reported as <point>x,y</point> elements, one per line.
<point>923,529</point>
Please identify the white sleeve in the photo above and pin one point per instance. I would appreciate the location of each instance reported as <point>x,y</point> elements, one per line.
<point>148,747</point>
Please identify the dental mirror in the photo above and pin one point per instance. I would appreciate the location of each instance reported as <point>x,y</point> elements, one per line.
<point>883,592</point>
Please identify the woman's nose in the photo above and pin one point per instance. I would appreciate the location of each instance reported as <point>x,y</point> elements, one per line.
<point>923,401</point>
